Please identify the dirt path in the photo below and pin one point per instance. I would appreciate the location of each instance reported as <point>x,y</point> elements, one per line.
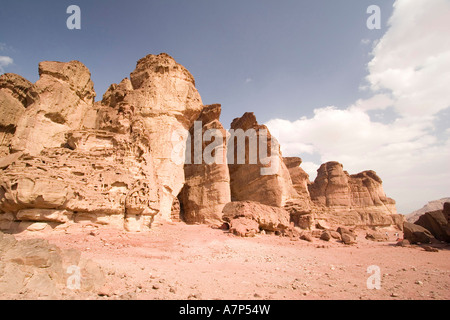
<point>177,261</point>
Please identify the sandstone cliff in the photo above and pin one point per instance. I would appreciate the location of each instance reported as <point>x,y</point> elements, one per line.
<point>207,186</point>
<point>138,156</point>
<point>257,170</point>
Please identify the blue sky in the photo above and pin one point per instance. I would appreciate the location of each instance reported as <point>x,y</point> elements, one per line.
<point>299,65</point>
<point>276,58</point>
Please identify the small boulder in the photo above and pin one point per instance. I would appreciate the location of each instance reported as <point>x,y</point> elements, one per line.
<point>243,227</point>
<point>376,236</point>
<point>306,237</point>
<point>326,236</point>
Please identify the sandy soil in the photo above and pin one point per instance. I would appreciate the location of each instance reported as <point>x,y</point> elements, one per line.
<point>176,261</point>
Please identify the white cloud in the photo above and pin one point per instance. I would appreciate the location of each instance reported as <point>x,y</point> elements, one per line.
<point>410,71</point>
<point>412,60</point>
<point>4,62</point>
<point>248,80</point>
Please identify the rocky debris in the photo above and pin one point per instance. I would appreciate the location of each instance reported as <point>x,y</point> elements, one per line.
<point>335,235</point>
<point>207,181</point>
<point>352,199</point>
<point>268,218</point>
<point>301,218</point>
<point>35,268</point>
<point>376,236</point>
<point>430,249</point>
<point>244,227</point>
<point>325,236</point>
<point>253,177</point>
<point>436,222</point>
<point>416,234</point>
<point>403,243</point>
<point>348,236</point>
<point>306,236</point>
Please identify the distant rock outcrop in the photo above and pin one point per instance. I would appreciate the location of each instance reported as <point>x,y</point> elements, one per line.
<point>429,207</point>
<point>356,199</point>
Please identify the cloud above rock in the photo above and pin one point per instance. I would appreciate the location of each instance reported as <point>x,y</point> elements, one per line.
<point>409,75</point>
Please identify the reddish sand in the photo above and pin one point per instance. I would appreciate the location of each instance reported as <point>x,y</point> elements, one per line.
<point>177,261</point>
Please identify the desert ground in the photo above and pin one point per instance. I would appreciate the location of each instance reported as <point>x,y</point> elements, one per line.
<point>176,261</point>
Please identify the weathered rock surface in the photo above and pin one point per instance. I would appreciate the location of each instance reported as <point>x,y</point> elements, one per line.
<point>343,199</point>
<point>65,158</point>
<point>165,98</point>
<point>42,270</point>
<point>268,218</point>
<point>257,169</point>
<point>244,227</point>
<point>207,181</point>
<point>16,94</point>
<point>416,234</point>
<point>436,222</point>
<point>376,236</point>
<point>66,94</point>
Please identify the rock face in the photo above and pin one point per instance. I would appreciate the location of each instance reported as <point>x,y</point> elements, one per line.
<point>437,223</point>
<point>268,218</point>
<point>257,170</point>
<point>299,208</point>
<point>416,234</point>
<point>352,199</point>
<point>162,94</point>
<point>16,94</point>
<point>207,186</point>
<point>66,95</point>
<point>71,159</point>
<point>150,151</point>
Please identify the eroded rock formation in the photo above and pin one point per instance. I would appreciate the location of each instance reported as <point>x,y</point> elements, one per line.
<point>356,199</point>
<point>257,170</point>
<point>125,161</point>
<point>207,184</point>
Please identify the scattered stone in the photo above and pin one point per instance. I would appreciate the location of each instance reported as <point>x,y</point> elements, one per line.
<point>430,249</point>
<point>376,236</point>
<point>307,237</point>
<point>325,236</point>
<point>403,243</point>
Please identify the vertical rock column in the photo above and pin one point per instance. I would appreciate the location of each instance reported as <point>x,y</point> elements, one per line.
<point>207,187</point>
<point>254,180</point>
<point>165,98</point>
